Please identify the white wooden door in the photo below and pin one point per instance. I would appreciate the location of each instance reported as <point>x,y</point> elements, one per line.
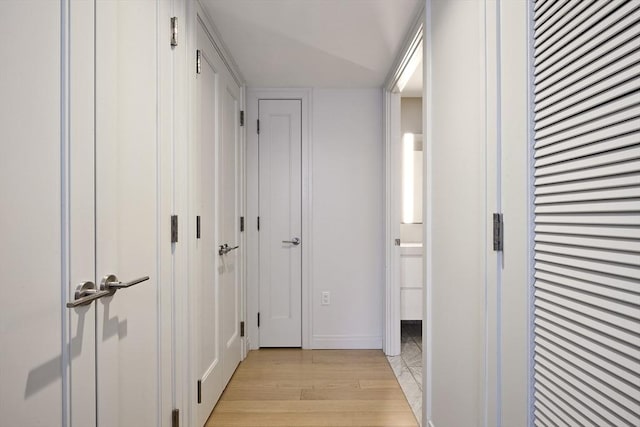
<point>81,184</point>
<point>205,296</point>
<point>216,288</point>
<point>229,227</point>
<point>281,240</point>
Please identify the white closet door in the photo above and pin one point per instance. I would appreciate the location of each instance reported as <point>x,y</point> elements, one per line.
<point>215,290</point>
<point>587,207</point>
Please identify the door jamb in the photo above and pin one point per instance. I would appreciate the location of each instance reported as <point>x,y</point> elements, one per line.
<point>391,333</point>
<point>252,210</point>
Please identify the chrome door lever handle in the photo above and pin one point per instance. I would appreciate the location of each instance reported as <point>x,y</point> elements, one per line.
<point>85,294</point>
<point>295,241</point>
<point>225,249</point>
<point>110,283</point>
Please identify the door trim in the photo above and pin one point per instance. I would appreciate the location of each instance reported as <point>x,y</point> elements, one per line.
<point>252,253</point>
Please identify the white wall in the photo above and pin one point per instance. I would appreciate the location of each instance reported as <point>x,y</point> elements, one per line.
<point>348,218</point>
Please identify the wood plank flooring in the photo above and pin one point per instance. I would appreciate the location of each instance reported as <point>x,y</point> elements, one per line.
<point>300,388</point>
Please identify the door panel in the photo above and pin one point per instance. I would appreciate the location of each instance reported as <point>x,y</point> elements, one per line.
<point>228,270</point>
<point>126,206</point>
<point>280,206</point>
<point>30,220</point>
<point>206,292</point>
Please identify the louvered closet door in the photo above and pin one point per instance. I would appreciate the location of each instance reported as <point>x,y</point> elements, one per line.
<point>587,212</point>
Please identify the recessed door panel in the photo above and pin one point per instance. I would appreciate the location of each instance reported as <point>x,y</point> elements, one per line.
<point>281,242</point>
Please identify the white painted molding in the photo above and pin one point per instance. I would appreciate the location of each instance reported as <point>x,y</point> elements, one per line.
<point>391,325</point>
<point>253,96</point>
<point>219,44</point>
<point>410,44</point>
<point>340,342</point>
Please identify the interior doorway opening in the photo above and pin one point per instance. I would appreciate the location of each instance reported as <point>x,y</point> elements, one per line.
<point>405,234</point>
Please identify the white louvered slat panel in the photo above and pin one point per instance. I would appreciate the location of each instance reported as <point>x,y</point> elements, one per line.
<point>631,353</point>
<point>557,11</point>
<point>588,405</point>
<point>606,194</point>
<point>600,369</point>
<point>572,24</point>
<point>583,43</point>
<point>589,219</point>
<point>628,167</point>
<point>602,394</point>
<point>592,98</point>
<point>587,185</point>
<point>587,213</point>
<point>577,72</point>
<point>591,264</point>
<point>572,90</point>
<point>592,130</point>
<point>616,142</point>
<point>578,13</point>
<point>599,320</point>
<point>589,162</point>
<point>600,355</point>
<point>611,290</point>
<point>630,206</point>
<point>582,297</point>
<point>565,404</point>
<point>584,119</point>
<point>547,8</point>
<point>608,243</point>
<point>602,278</point>
<point>571,406</point>
<point>594,91</point>
<point>589,230</point>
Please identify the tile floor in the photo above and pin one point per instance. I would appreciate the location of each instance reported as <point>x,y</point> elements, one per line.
<point>408,365</point>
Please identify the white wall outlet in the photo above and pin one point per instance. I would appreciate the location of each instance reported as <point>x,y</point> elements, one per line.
<point>326,298</point>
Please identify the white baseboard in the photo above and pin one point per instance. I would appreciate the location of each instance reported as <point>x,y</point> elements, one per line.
<point>347,342</point>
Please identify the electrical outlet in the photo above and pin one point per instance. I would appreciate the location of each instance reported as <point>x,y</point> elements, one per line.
<point>326,298</point>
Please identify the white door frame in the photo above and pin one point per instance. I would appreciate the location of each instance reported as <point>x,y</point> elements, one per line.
<point>252,209</point>
<point>391,342</point>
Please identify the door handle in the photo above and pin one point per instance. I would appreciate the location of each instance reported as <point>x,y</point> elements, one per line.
<point>85,294</point>
<point>225,249</point>
<point>295,241</point>
<point>111,284</point>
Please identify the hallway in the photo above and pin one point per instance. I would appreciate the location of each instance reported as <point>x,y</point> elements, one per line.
<point>285,387</point>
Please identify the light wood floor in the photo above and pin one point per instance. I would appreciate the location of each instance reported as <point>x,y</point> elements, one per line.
<point>292,387</point>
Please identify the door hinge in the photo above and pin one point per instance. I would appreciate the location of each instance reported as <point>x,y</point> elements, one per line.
<point>258,126</point>
<point>174,228</point>
<point>241,118</point>
<point>241,223</point>
<point>199,391</point>
<point>198,61</point>
<point>198,227</point>
<point>175,418</point>
<point>241,329</point>
<point>174,31</point>
<point>498,232</point>
<point>258,223</point>
<point>258,319</point>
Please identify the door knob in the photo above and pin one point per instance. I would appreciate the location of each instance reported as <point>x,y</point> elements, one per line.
<point>225,249</point>
<point>85,294</point>
<point>111,284</point>
<point>295,241</point>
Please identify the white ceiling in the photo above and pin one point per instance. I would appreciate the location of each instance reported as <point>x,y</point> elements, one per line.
<point>319,43</point>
